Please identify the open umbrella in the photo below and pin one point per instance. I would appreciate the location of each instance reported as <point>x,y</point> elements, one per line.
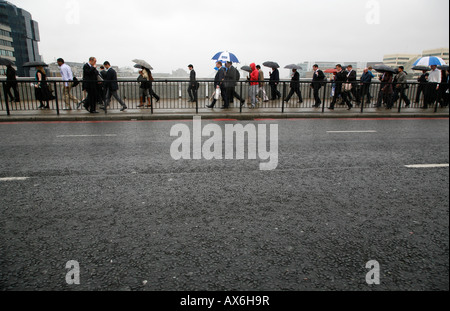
<point>6,62</point>
<point>421,68</point>
<point>35,64</point>
<point>383,68</point>
<point>271,65</point>
<point>331,70</point>
<point>142,63</point>
<point>429,61</point>
<point>443,67</point>
<point>293,66</point>
<point>225,57</point>
<point>246,68</point>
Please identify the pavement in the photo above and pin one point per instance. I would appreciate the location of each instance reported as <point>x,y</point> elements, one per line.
<point>110,196</point>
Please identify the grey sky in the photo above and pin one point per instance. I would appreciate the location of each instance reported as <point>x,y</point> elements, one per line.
<point>171,34</point>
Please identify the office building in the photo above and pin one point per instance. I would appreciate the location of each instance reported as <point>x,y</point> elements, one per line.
<point>6,46</point>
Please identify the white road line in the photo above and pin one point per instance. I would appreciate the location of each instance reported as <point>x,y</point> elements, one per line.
<point>108,135</point>
<point>14,178</point>
<point>339,132</point>
<point>427,166</point>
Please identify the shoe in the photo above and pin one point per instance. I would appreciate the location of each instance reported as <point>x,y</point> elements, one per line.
<point>86,107</point>
<point>423,107</point>
<point>242,103</point>
<point>350,107</point>
<point>148,106</point>
<point>94,112</point>
<point>407,105</point>
<point>330,108</point>
<point>157,101</point>
<point>124,108</point>
<point>47,107</point>
<point>210,106</point>
<point>41,107</point>
<point>224,107</point>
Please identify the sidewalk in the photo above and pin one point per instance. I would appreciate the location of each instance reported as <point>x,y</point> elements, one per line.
<point>233,113</point>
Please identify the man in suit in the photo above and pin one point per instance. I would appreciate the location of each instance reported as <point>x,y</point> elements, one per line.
<point>295,87</point>
<point>366,81</point>
<point>219,85</point>
<point>12,83</point>
<point>192,90</point>
<point>318,79</point>
<point>274,81</point>
<point>90,81</point>
<point>231,79</point>
<point>351,78</point>
<point>341,77</point>
<point>111,86</point>
<point>423,80</point>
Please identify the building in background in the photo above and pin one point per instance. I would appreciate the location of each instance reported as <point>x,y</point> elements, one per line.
<point>25,35</point>
<point>396,60</point>
<point>6,46</point>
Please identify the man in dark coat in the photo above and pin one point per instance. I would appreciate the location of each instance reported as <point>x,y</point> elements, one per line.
<point>192,90</point>
<point>219,85</point>
<point>273,82</point>
<point>341,77</point>
<point>112,86</point>
<point>295,87</point>
<point>318,79</point>
<point>90,80</point>
<point>12,83</point>
<point>231,79</point>
<point>423,80</point>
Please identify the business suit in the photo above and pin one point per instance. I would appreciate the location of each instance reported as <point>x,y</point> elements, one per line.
<point>12,83</point>
<point>295,88</point>
<point>219,82</point>
<point>230,83</point>
<point>351,78</point>
<point>90,82</point>
<point>112,87</point>
<point>423,80</point>
<point>192,90</point>
<point>318,79</point>
<point>274,81</point>
<point>341,77</point>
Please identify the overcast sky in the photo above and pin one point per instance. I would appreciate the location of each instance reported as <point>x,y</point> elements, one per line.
<point>171,34</point>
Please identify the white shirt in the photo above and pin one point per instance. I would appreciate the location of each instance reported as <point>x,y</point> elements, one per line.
<point>66,74</point>
<point>435,76</point>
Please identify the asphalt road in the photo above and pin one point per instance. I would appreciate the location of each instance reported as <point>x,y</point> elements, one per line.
<point>110,196</point>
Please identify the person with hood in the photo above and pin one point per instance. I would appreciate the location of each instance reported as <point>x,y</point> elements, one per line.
<point>254,84</point>
<point>295,87</point>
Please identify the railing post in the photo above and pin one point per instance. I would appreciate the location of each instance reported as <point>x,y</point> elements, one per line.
<point>6,99</point>
<point>240,105</point>
<point>284,97</point>
<point>324,96</point>
<point>56,98</point>
<point>362,98</point>
<point>436,104</point>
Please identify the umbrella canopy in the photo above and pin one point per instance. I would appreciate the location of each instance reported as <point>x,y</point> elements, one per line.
<point>142,63</point>
<point>271,65</point>
<point>429,61</point>
<point>443,67</point>
<point>331,70</point>
<point>225,57</point>
<point>293,66</point>
<point>383,68</point>
<point>35,64</point>
<point>247,68</point>
<point>421,68</point>
<point>6,62</point>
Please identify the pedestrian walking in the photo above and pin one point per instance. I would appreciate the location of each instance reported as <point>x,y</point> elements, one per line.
<point>387,90</point>
<point>341,78</point>
<point>434,80</point>
<point>318,80</point>
<point>91,80</point>
<point>11,83</point>
<point>366,82</point>
<point>144,89</point>
<point>421,89</point>
<point>401,86</point>
<point>151,80</point>
<point>42,91</point>
<point>262,90</point>
<point>351,85</point>
<point>295,86</point>
<point>254,85</point>
<point>274,81</point>
<point>443,89</point>
<point>219,86</point>
<point>67,77</point>
<point>193,86</point>
<point>369,95</point>
<point>230,82</point>
<point>111,86</point>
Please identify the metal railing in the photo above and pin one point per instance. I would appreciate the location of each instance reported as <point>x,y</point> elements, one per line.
<point>172,95</point>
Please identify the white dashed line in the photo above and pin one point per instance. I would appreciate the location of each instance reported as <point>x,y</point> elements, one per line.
<point>14,178</point>
<point>65,136</point>
<point>340,132</point>
<point>427,166</point>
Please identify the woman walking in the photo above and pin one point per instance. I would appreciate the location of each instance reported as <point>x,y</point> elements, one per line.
<point>144,89</point>
<point>42,91</point>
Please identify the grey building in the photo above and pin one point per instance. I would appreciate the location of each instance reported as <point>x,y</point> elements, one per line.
<point>6,46</point>
<point>25,35</point>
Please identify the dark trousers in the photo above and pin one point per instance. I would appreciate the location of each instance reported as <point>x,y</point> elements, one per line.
<point>354,94</point>
<point>317,88</point>
<point>231,94</point>
<point>420,90</point>
<point>431,94</point>
<point>223,92</point>
<point>92,98</point>
<point>294,90</point>
<point>16,96</point>
<point>364,93</point>
<point>192,91</point>
<point>338,92</point>
<point>275,93</point>
<point>153,94</point>
<point>401,93</point>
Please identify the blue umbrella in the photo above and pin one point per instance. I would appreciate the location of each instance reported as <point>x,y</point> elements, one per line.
<point>429,61</point>
<point>226,57</point>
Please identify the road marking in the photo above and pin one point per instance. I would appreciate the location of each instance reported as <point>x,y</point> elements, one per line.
<point>427,166</point>
<point>14,178</point>
<point>339,132</point>
<point>108,135</point>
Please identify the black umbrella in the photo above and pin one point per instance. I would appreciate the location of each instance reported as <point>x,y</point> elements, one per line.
<point>271,65</point>
<point>247,68</point>
<point>421,68</point>
<point>142,63</point>
<point>383,68</point>
<point>293,66</point>
<point>6,62</point>
<point>35,64</point>
<point>443,67</point>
